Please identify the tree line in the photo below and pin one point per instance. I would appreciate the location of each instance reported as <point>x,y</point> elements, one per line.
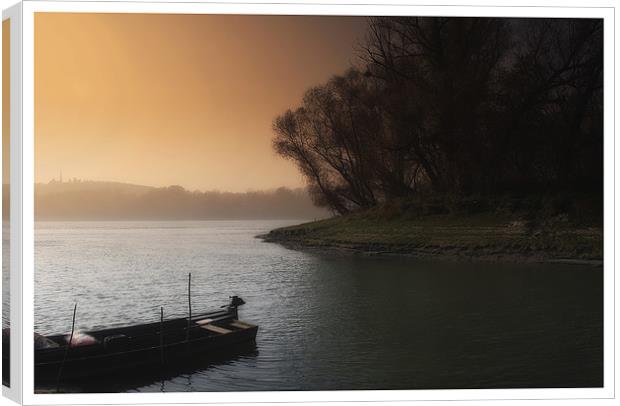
<point>118,201</point>
<point>454,106</point>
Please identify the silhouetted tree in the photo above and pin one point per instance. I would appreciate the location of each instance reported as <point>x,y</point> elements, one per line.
<point>443,73</point>
<point>553,102</point>
<point>332,138</point>
<point>461,105</point>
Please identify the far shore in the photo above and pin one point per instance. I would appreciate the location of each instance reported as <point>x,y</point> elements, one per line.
<point>484,238</point>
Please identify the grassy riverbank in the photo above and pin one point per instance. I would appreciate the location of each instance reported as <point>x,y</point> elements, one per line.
<point>496,235</point>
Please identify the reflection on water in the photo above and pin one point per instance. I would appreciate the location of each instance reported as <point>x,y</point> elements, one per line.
<point>131,381</point>
<point>326,321</point>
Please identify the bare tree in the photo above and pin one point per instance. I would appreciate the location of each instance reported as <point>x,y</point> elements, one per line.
<point>461,105</point>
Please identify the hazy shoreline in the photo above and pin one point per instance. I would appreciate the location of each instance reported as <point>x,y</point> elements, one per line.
<point>114,201</point>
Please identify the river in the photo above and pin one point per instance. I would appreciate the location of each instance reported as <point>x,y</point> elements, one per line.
<point>326,321</point>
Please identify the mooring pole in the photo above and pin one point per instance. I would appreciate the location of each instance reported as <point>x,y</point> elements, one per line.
<point>64,358</point>
<point>189,305</point>
<point>161,334</point>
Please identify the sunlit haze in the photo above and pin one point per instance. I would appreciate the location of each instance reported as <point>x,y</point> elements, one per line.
<point>177,99</point>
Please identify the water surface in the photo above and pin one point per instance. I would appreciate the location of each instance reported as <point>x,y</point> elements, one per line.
<point>326,321</point>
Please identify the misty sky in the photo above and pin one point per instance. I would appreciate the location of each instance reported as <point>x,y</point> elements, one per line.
<point>177,99</point>
<point>6,100</point>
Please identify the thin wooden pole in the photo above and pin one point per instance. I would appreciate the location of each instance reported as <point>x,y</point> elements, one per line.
<point>161,335</point>
<point>64,358</point>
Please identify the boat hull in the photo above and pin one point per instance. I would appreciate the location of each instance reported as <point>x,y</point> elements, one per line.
<point>150,360</point>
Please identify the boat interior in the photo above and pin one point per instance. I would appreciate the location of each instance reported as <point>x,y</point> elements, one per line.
<point>147,335</point>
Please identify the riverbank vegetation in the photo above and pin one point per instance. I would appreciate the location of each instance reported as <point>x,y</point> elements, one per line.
<point>506,228</point>
<point>457,110</point>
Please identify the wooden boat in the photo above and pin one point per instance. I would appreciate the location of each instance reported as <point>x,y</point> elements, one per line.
<point>145,347</point>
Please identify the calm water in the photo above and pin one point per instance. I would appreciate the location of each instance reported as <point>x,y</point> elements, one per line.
<point>326,322</point>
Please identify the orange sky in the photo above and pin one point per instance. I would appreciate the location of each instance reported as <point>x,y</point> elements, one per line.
<point>177,99</point>
<point>6,100</point>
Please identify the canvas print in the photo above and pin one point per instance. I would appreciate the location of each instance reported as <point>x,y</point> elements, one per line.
<point>277,203</point>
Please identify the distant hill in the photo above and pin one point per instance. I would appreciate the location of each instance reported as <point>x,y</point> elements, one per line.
<point>55,187</point>
<point>89,200</point>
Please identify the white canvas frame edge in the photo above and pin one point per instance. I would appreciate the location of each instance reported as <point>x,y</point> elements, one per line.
<point>315,8</point>
<point>14,14</point>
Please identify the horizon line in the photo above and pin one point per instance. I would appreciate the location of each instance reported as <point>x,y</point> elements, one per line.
<point>76,180</point>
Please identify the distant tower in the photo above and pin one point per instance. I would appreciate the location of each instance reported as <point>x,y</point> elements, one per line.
<point>61,176</point>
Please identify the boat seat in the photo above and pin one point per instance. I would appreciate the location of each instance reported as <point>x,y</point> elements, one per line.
<point>216,329</point>
<point>241,324</point>
<point>203,321</point>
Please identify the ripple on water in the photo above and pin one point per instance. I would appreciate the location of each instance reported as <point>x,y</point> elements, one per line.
<point>325,322</point>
